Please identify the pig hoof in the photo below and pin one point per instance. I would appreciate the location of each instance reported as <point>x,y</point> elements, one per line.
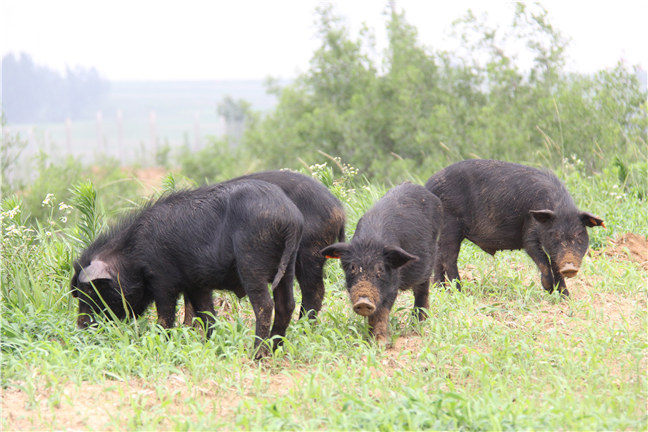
<point>420,314</point>
<point>564,293</point>
<point>261,353</point>
<point>262,350</point>
<point>382,341</point>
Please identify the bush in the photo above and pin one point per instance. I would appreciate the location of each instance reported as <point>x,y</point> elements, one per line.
<point>416,109</point>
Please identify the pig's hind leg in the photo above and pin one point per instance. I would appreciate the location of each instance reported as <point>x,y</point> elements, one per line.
<point>310,272</point>
<point>421,300</point>
<point>447,254</point>
<point>284,305</point>
<point>255,283</point>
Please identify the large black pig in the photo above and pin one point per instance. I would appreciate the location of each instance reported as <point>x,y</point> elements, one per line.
<point>237,237</point>
<point>501,205</point>
<point>323,225</point>
<point>401,228</point>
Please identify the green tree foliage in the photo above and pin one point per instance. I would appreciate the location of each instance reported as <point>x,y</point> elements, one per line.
<point>217,161</point>
<point>504,94</point>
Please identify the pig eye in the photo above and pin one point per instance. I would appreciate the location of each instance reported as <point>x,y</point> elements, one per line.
<point>380,269</point>
<point>353,268</point>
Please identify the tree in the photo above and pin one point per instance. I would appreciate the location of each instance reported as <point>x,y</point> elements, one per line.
<point>417,107</point>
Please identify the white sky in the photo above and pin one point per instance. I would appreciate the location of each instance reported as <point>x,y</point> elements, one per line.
<point>253,39</point>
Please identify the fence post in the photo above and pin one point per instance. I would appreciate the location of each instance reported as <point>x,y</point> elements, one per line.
<point>196,132</point>
<point>100,131</point>
<point>68,135</point>
<point>120,134</point>
<point>153,133</point>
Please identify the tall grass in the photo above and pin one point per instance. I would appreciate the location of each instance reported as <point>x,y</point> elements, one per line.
<point>502,354</point>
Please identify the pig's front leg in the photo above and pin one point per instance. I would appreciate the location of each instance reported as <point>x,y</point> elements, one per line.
<point>541,260</point>
<point>379,321</point>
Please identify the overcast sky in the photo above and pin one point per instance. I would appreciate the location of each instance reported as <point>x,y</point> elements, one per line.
<point>246,39</point>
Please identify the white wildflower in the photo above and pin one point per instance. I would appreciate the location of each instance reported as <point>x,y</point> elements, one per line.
<point>12,230</point>
<point>12,213</point>
<point>63,219</point>
<point>48,233</point>
<point>64,207</point>
<point>48,199</point>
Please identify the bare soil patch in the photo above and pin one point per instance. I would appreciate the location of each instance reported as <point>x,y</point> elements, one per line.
<point>150,178</point>
<point>102,406</point>
<point>630,247</point>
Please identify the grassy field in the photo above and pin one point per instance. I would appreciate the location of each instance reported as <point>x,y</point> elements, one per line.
<point>502,354</point>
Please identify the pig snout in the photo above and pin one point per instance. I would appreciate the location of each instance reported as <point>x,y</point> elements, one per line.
<point>365,297</point>
<point>363,306</point>
<point>568,270</point>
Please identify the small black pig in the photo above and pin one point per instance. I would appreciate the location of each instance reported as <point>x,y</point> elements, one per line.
<point>401,228</point>
<point>501,205</point>
<point>237,237</point>
<point>324,220</point>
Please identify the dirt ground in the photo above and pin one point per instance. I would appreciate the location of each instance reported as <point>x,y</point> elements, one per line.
<point>150,178</point>
<point>630,247</point>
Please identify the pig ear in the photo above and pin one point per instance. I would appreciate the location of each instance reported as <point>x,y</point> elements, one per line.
<point>334,251</point>
<point>96,270</point>
<point>589,220</point>
<point>396,257</point>
<point>543,216</point>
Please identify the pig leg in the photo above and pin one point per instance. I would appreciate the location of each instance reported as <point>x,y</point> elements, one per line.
<point>310,272</point>
<point>189,312</point>
<point>421,300</point>
<point>559,281</point>
<point>284,305</point>
<point>439,273</point>
<point>202,304</point>
<point>263,307</point>
<point>166,308</point>
<point>379,325</point>
<point>379,321</point>
<point>539,257</point>
<point>447,253</point>
<point>257,290</point>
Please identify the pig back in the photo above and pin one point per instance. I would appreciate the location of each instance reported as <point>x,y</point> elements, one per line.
<point>490,200</point>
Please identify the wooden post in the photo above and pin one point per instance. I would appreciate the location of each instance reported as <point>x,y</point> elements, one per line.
<point>196,132</point>
<point>100,131</point>
<point>153,149</point>
<point>68,135</point>
<point>47,142</point>
<point>120,134</point>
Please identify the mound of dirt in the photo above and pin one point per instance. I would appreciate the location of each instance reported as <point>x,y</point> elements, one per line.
<point>631,247</point>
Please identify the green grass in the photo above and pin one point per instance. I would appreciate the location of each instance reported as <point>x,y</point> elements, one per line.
<point>502,354</point>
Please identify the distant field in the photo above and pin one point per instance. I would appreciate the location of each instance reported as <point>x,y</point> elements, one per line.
<point>185,112</point>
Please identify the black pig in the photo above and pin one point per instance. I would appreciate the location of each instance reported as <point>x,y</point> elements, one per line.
<point>323,225</point>
<point>238,237</point>
<point>401,228</point>
<point>501,205</point>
